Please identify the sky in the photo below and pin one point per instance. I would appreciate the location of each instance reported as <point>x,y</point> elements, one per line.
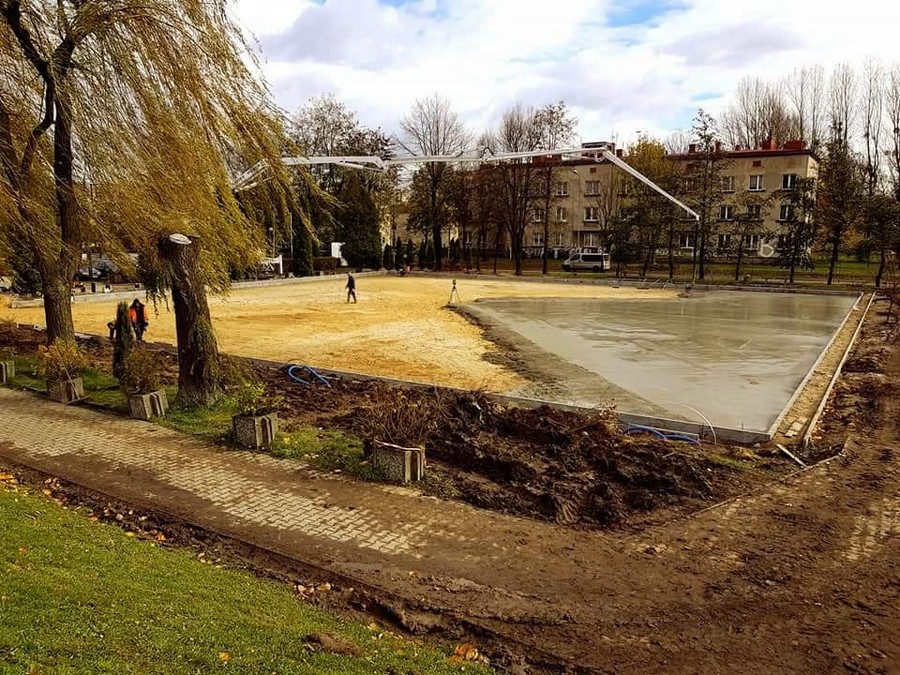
<point>623,67</point>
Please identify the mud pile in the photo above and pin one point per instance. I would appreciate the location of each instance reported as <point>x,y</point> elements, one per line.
<point>571,468</point>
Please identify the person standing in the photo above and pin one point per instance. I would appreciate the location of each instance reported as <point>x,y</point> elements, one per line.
<point>351,287</point>
<point>137,313</point>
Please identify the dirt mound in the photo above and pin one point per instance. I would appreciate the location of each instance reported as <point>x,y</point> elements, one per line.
<point>571,468</point>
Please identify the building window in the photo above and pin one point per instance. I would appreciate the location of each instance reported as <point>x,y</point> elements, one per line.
<point>562,189</point>
<point>562,214</point>
<point>537,239</point>
<point>537,216</point>
<point>558,240</point>
<point>756,183</point>
<point>784,241</point>
<point>727,183</point>
<point>726,212</point>
<point>786,212</point>
<point>590,240</point>
<point>625,188</point>
<point>757,162</point>
<point>592,187</point>
<point>788,181</point>
<point>754,212</point>
<point>751,242</point>
<point>591,214</point>
<point>593,169</point>
<point>690,184</point>
<point>724,242</point>
<point>467,238</point>
<point>684,240</point>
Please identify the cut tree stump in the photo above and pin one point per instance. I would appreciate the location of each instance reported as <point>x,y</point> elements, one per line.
<point>66,391</point>
<point>7,371</point>
<point>255,431</point>
<point>399,464</point>
<point>148,406</point>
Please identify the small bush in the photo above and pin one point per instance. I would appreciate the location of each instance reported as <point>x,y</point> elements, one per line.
<point>233,372</point>
<point>63,360</point>
<point>252,398</point>
<point>325,264</point>
<point>142,372</point>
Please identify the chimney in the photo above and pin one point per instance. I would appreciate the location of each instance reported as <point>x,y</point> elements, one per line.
<point>737,147</point>
<point>692,149</point>
<point>718,146</point>
<point>795,145</point>
<point>768,144</point>
<point>619,152</point>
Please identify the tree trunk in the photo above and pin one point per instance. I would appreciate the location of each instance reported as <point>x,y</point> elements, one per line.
<point>702,253</point>
<point>835,249</point>
<point>546,221</point>
<point>436,226</point>
<point>882,260</point>
<point>198,353</point>
<point>671,253</point>
<point>740,259</point>
<point>58,307</point>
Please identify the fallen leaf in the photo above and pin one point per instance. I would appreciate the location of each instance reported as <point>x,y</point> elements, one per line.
<point>464,652</point>
<point>47,492</point>
<point>224,657</point>
<point>129,534</point>
<point>160,537</point>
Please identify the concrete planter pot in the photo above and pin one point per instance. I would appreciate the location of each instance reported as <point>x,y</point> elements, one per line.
<point>255,431</point>
<point>66,391</point>
<point>148,406</point>
<point>7,371</point>
<point>399,464</point>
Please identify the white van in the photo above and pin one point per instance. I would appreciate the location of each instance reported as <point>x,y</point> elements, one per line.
<point>590,262</point>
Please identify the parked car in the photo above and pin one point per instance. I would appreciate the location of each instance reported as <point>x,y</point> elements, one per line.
<point>85,274</point>
<point>586,262</point>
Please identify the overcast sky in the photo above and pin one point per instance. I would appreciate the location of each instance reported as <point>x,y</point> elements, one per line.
<point>622,66</point>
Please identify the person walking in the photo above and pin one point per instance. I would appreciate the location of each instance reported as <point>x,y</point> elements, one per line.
<point>351,287</point>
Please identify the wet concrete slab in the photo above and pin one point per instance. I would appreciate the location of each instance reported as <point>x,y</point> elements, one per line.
<point>737,358</point>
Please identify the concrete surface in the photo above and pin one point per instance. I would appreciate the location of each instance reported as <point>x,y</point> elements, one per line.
<point>737,358</point>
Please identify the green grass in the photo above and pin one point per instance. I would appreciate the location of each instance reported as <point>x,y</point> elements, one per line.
<point>326,449</point>
<point>211,423</point>
<point>83,597</point>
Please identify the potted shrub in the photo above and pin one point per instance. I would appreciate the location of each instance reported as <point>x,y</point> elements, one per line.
<point>140,377</point>
<point>61,365</point>
<point>256,421</point>
<point>7,364</point>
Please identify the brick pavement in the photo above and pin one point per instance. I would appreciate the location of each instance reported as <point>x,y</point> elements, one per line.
<point>596,598</point>
<point>254,488</point>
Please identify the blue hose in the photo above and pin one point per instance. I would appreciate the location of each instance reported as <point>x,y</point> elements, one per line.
<point>311,371</point>
<point>641,429</point>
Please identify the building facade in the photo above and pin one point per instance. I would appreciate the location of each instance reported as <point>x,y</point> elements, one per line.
<point>586,193</point>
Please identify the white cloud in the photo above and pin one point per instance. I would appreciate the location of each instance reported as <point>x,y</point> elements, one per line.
<point>484,55</point>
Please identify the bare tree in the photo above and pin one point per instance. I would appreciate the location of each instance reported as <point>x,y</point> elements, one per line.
<point>839,195</point>
<point>518,184</point>
<point>872,111</point>
<point>556,126</point>
<point>706,186</point>
<point>431,128</point>
<point>805,91</point>
<point>678,142</point>
<point>843,103</point>
<point>892,122</point>
<point>758,113</point>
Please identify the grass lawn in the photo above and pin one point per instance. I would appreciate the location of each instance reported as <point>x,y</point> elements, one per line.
<point>78,596</point>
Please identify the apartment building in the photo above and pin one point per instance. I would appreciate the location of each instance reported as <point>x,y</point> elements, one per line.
<point>587,191</point>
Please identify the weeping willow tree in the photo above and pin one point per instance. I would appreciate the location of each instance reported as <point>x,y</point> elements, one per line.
<point>121,123</point>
